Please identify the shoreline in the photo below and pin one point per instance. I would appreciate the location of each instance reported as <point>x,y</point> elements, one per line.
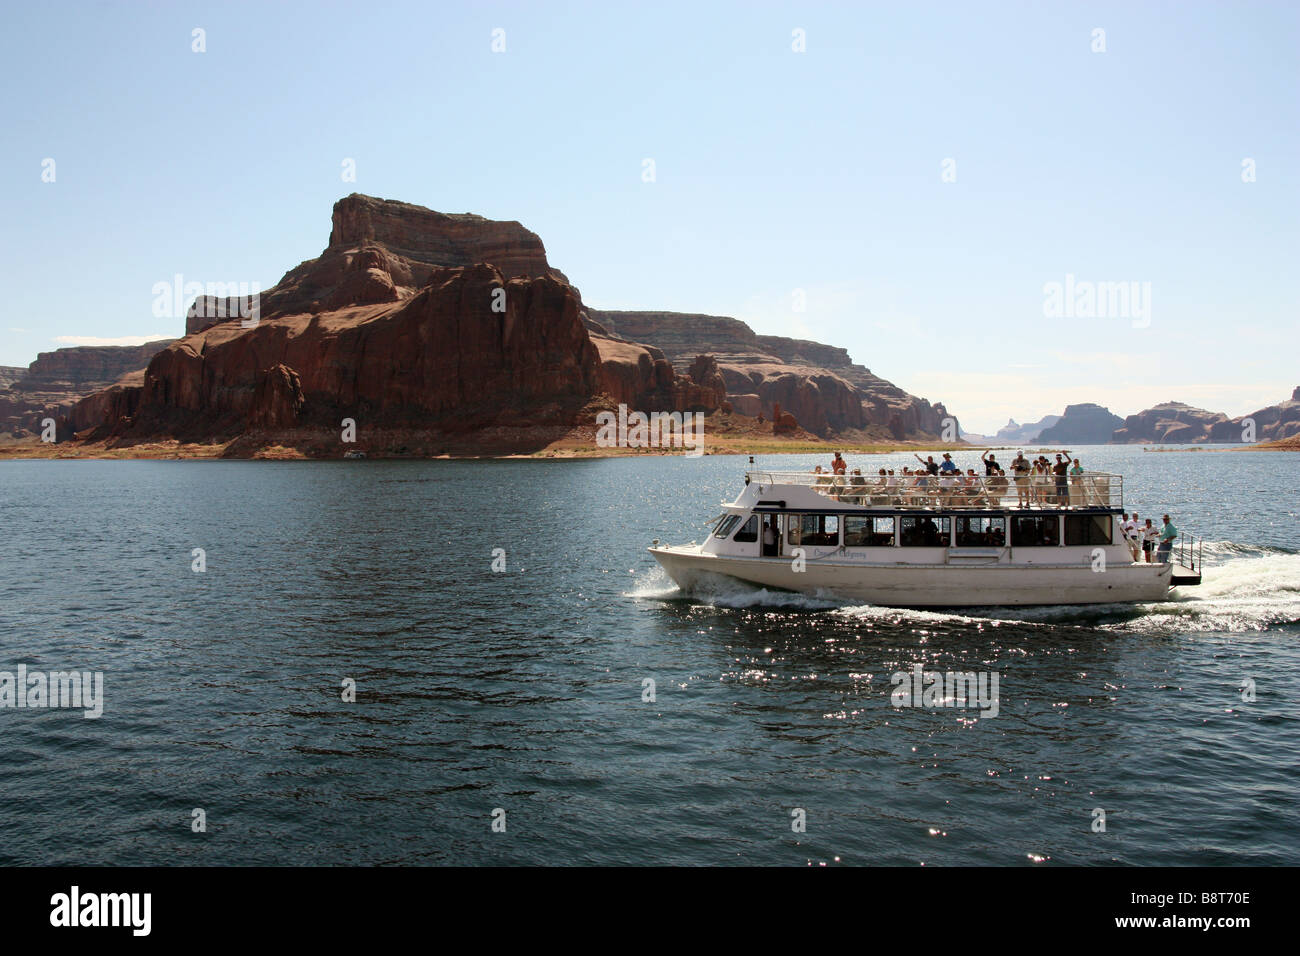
<point>163,451</point>
<point>173,451</point>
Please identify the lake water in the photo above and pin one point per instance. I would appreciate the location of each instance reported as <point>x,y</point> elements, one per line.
<point>522,690</point>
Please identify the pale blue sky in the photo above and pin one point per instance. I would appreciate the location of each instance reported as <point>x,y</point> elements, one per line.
<point>775,171</point>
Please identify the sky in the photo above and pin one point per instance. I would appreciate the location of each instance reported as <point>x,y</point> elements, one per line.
<point>907,181</point>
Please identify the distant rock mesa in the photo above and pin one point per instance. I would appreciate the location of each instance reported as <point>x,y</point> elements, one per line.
<point>1084,424</point>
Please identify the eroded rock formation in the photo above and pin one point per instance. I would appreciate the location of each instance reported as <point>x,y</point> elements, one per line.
<point>1178,423</point>
<point>383,251</point>
<point>443,359</point>
<point>413,320</point>
<point>1169,422</point>
<point>53,384</point>
<point>1273,423</point>
<point>819,384</point>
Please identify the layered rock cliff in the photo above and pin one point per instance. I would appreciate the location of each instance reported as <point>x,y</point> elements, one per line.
<point>383,251</point>
<point>818,384</point>
<point>1169,422</point>
<point>1178,423</point>
<point>640,377</point>
<point>413,320</point>
<point>409,319</point>
<point>52,385</point>
<point>442,360</point>
<point>1273,423</point>
<point>83,368</point>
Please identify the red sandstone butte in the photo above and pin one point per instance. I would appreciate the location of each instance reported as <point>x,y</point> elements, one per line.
<point>442,358</point>
<point>409,320</point>
<point>414,321</point>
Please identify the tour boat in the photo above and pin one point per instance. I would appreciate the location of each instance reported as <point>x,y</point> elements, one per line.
<point>967,542</point>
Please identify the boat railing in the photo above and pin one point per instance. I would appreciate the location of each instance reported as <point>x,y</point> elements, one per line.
<point>1186,551</point>
<point>1092,489</point>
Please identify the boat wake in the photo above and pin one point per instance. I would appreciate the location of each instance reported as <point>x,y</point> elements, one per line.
<point>725,592</point>
<point>1246,588</point>
<point>1240,594</point>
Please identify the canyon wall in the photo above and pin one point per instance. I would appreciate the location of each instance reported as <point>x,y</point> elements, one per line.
<point>818,384</point>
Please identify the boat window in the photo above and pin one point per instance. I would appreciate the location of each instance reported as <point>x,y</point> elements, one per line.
<point>1035,531</point>
<point>868,532</point>
<point>748,533</point>
<point>814,529</point>
<point>924,532</point>
<point>1088,529</point>
<point>725,526</point>
<point>981,532</point>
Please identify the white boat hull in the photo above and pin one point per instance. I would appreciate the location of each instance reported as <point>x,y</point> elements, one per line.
<point>912,584</point>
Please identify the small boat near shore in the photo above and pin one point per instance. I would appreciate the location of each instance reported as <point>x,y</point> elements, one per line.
<point>982,543</point>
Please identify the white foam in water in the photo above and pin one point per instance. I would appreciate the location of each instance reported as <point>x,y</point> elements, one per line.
<point>1239,594</point>
<point>874,612</point>
<point>725,592</point>
<point>744,596</point>
<point>654,584</point>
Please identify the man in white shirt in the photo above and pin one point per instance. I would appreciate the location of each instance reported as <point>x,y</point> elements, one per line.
<point>891,486</point>
<point>1150,538</point>
<point>1129,528</point>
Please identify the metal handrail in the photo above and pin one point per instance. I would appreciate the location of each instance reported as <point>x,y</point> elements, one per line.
<point>1187,551</point>
<point>1092,489</point>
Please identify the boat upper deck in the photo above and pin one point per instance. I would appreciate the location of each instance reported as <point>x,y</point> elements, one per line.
<point>1092,490</point>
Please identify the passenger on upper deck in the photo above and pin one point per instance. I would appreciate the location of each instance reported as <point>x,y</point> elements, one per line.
<point>1020,467</point>
<point>1038,481</point>
<point>838,464</point>
<point>990,463</point>
<point>997,487</point>
<point>948,475</point>
<point>1078,494</point>
<point>1060,470</point>
<point>970,489</point>
<point>859,493</point>
<point>918,483</point>
<point>881,485</point>
<point>928,462</point>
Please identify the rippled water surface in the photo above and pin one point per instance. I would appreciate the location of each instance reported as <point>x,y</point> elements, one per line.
<point>522,690</point>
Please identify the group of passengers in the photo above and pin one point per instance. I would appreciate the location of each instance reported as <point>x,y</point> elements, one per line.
<point>1039,483</point>
<point>1146,539</point>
